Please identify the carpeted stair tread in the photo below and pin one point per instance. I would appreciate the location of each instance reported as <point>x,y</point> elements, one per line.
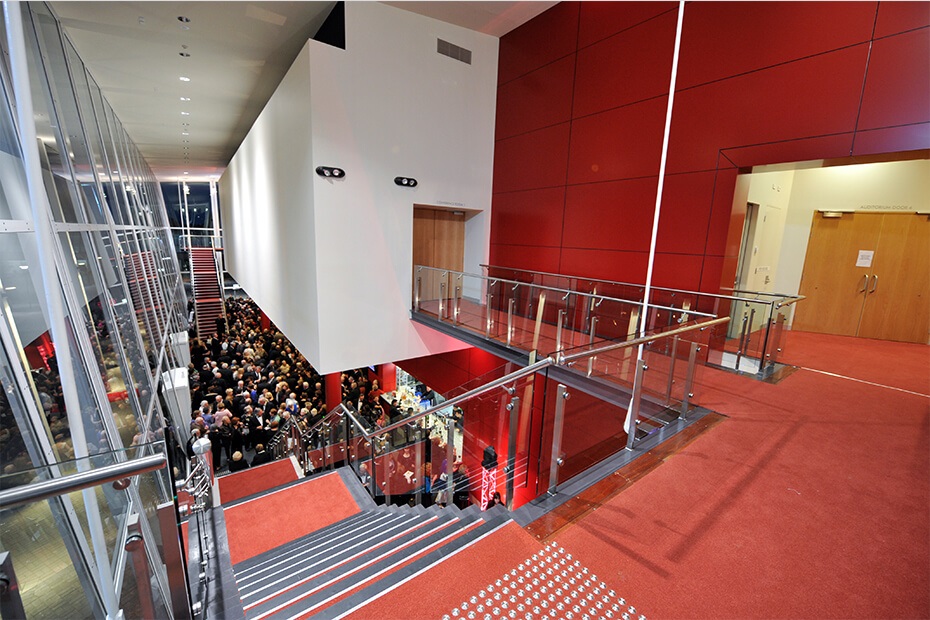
<point>318,558</point>
<point>330,584</point>
<point>361,597</point>
<point>319,535</point>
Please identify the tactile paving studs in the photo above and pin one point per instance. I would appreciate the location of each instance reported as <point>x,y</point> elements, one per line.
<point>546,585</point>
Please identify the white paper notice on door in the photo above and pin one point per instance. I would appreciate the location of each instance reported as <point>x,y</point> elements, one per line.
<point>865,258</point>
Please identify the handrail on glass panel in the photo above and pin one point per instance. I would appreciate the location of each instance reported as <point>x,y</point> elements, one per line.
<point>565,359</point>
<point>790,298</point>
<point>596,296</point>
<point>75,482</point>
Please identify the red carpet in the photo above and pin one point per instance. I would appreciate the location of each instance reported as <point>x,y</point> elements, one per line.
<point>435,592</point>
<point>269,521</point>
<point>898,364</point>
<point>256,479</point>
<point>812,501</point>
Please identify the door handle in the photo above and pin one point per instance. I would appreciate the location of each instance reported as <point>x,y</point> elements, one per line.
<point>864,283</point>
<point>874,283</point>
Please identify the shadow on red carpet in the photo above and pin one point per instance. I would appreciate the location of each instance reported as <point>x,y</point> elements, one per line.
<point>256,479</point>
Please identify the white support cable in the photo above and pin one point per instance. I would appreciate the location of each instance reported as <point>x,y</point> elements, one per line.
<point>40,210</point>
<point>658,208</point>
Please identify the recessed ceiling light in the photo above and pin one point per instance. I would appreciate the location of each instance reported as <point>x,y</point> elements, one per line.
<point>185,113</point>
<point>183,19</point>
<point>184,55</point>
<point>185,133</point>
<point>185,98</point>
<point>11,288</point>
<point>184,79</point>
<point>186,172</point>
<point>24,267</point>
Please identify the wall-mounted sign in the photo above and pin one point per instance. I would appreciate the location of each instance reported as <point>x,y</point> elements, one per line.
<point>865,258</point>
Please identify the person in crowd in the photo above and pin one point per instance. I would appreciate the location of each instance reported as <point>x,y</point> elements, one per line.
<point>237,463</point>
<point>261,456</point>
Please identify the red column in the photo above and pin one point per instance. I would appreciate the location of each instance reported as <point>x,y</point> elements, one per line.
<point>333,390</point>
<point>388,377</point>
<point>266,322</point>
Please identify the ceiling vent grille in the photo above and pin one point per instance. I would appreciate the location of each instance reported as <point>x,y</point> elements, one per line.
<point>453,51</point>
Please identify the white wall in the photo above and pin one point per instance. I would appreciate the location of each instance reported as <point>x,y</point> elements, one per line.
<point>388,105</point>
<point>772,192</point>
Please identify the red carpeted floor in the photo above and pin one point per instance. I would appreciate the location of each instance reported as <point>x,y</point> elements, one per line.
<point>256,479</point>
<point>811,501</point>
<point>435,592</point>
<point>269,521</point>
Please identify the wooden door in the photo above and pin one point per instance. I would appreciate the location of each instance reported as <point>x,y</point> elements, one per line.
<point>832,283</point>
<point>897,304</point>
<point>438,241</point>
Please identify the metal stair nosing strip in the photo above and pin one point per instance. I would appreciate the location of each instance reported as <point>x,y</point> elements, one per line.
<point>361,598</point>
<point>387,567</point>
<point>302,545</point>
<point>332,584</point>
<point>321,560</point>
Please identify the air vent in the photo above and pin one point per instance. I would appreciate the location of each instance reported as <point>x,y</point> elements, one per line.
<point>453,51</point>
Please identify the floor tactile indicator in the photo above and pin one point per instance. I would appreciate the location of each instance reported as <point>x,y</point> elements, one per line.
<point>549,584</point>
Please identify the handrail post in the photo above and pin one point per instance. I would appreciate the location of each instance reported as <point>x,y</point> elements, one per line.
<point>450,459</point>
<point>510,321</point>
<point>765,339</point>
<point>455,305</point>
<point>742,341</point>
<point>416,293</point>
<point>558,332</point>
<point>514,409</point>
<point>634,404</point>
<point>442,300</point>
<point>556,460</point>
<point>489,321</point>
<point>671,371</point>
<point>592,334</point>
<point>689,380</point>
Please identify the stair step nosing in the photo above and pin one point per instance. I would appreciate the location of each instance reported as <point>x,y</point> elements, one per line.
<point>419,566</point>
<point>416,554</point>
<point>331,581</point>
<point>358,528</point>
<point>250,588</point>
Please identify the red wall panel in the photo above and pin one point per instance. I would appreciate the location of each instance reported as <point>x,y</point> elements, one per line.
<point>895,17</point>
<point>759,82</point>
<point>677,271</point>
<point>686,204</point>
<point>615,215</point>
<point>547,37</point>
<point>600,20</point>
<point>892,96</point>
<point>515,216</point>
<point>531,160</point>
<point>623,143</point>
<point>837,145</point>
<point>805,98</point>
<point>723,39</point>
<point>893,139</point>
<point>525,256</point>
<point>537,99</point>
<point>602,83</point>
<point>605,264</point>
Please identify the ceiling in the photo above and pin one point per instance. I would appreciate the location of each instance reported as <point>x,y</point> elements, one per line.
<point>238,54</point>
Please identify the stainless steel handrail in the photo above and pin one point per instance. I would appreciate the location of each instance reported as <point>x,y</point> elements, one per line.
<point>565,359</point>
<point>657,288</point>
<point>75,482</point>
<point>565,290</point>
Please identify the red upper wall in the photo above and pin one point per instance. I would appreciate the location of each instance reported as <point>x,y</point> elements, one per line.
<point>581,110</point>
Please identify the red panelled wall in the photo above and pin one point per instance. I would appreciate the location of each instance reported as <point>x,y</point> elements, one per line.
<point>581,108</point>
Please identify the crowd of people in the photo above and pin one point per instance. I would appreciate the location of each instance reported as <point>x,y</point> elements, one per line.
<point>247,381</point>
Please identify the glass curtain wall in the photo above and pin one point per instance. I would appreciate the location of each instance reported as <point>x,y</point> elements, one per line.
<point>80,393</point>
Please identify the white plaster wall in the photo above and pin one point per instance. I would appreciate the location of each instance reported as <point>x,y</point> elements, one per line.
<point>267,204</point>
<point>772,192</point>
<point>386,106</point>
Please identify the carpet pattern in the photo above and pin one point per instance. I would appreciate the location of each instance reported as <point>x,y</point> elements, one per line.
<point>550,584</point>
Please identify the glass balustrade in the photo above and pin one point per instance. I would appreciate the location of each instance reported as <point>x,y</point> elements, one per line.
<point>752,343</point>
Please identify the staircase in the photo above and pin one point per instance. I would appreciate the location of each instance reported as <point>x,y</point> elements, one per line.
<point>141,278</point>
<point>341,567</point>
<point>208,297</point>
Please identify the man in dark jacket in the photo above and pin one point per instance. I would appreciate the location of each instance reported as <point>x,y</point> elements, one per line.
<point>261,456</point>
